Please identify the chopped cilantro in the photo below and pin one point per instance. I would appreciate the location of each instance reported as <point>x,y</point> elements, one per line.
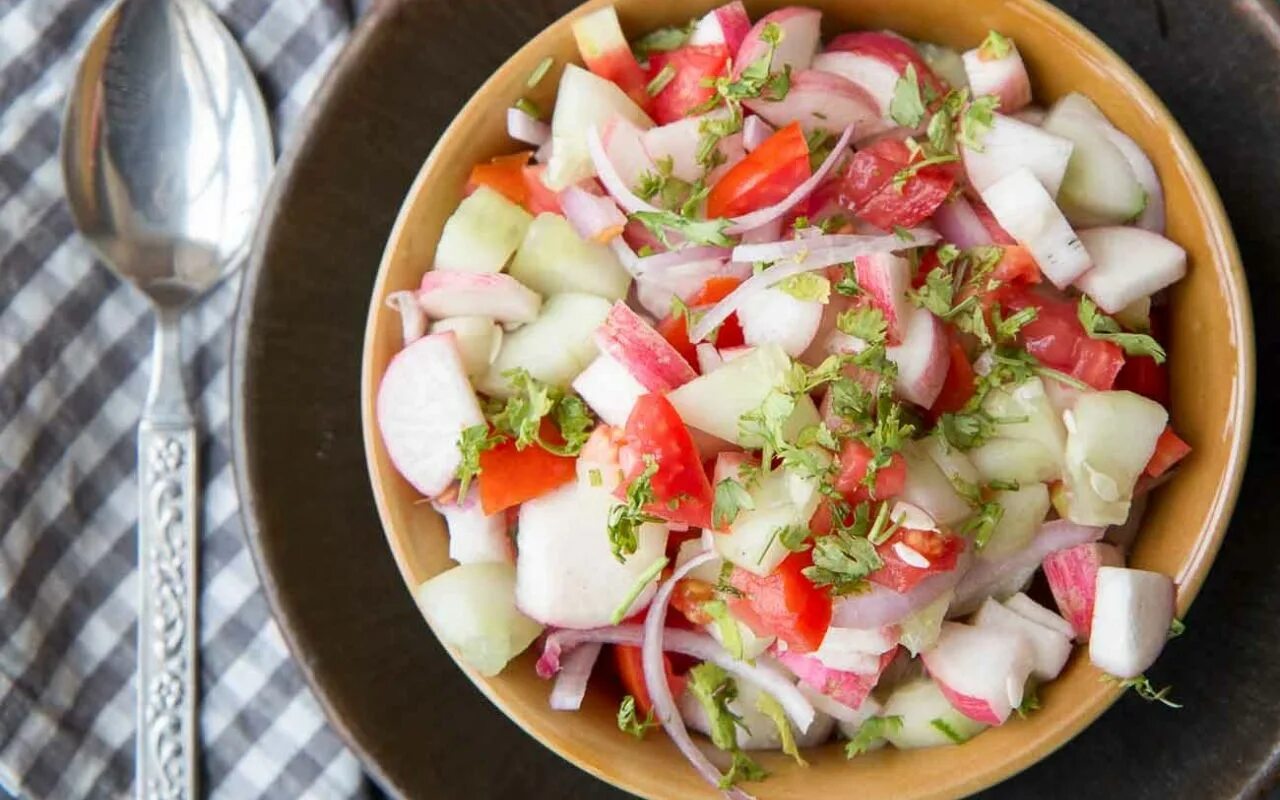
<point>660,81</point>
<point>1141,685</point>
<point>907,107</point>
<point>1030,700</point>
<point>731,499</point>
<point>646,577</point>
<point>715,690</point>
<point>710,231</point>
<point>629,723</point>
<point>1100,326</point>
<point>867,324</point>
<point>539,72</point>
<point>869,732</point>
<point>1177,628</point>
<point>529,107</point>
<point>995,47</point>
<point>730,633</point>
<point>983,523</point>
<point>626,518</point>
<point>1006,328</point>
<point>945,728</point>
<point>908,172</point>
<point>472,442</point>
<point>809,287</point>
<point>532,401</point>
<point>977,120</point>
<point>771,708</point>
<point>843,558</point>
<point>662,40</point>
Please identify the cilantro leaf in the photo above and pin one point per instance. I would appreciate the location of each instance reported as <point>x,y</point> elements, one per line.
<point>714,689</point>
<point>766,423</point>
<point>539,72</point>
<point>726,625</point>
<point>531,401</point>
<point>966,430</point>
<point>626,518</point>
<point>1100,326</point>
<point>472,442</point>
<point>977,120</point>
<point>808,287</point>
<point>771,708</point>
<point>1177,628</point>
<point>662,40</point>
<point>1007,328</point>
<point>907,107</point>
<point>1030,700</point>
<point>995,47</point>
<point>841,560</point>
<point>1142,686</point>
<point>867,323</point>
<point>731,499</point>
<point>945,728</point>
<point>709,231</point>
<point>646,577</point>
<point>983,523</point>
<point>869,732</point>
<point>660,81</point>
<point>629,723</point>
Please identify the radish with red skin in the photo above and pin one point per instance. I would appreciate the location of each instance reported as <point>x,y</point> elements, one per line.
<point>727,25</point>
<point>606,52</point>
<point>1022,207</point>
<point>1129,264</point>
<point>921,358</point>
<point>476,537</point>
<point>988,577</point>
<point>875,77</point>
<point>886,278</point>
<point>1049,648</point>
<point>1006,77</point>
<point>801,30</point>
<point>1011,145</point>
<point>1021,604</point>
<point>821,101</point>
<point>847,688</point>
<point>642,351</point>
<point>983,672</point>
<point>424,403</point>
<point>1073,579</point>
<point>609,388</point>
<point>891,51</point>
<point>679,141</point>
<point>775,317</point>
<point>1131,618</point>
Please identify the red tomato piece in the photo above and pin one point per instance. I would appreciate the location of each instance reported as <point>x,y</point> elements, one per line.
<point>1097,363</point>
<point>941,550</point>
<point>509,476</point>
<point>1142,375</point>
<point>853,468</point>
<point>1170,449</point>
<point>766,176</point>
<point>959,385</point>
<point>675,330</point>
<point>505,175</point>
<point>784,604</point>
<point>688,598</point>
<point>1016,266</point>
<point>681,490</point>
<point>630,666</point>
<point>868,189</point>
<point>1057,339</point>
<point>695,68</point>
<point>540,198</point>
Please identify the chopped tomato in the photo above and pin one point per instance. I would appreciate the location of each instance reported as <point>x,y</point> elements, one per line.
<point>1097,363</point>
<point>1016,265</point>
<point>868,189</point>
<point>541,199</point>
<point>1058,340</point>
<point>766,176</point>
<point>998,234</point>
<point>676,331</point>
<point>941,550</point>
<point>618,64</point>
<point>630,664</point>
<point>784,604</point>
<point>505,175</point>
<point>853,461</point>
<point>695,67</point>
<point>509,476</point>
<point>681,490</point>
<point>1170,449</point>
<point>1142,375</point>
<point>688,598</point>
<point>959,385</point>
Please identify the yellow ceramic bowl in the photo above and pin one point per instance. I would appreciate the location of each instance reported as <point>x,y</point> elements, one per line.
<point>1212,370</point>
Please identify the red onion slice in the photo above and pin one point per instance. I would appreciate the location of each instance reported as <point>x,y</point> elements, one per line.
<point>594,217</point>
<point>754,132</point>
<point>1053,536</point>
<point>524,128</point>
<point>812,245</point>
<point>413,319</point>
<point>960,224</point>
<point>624,253</point>
<point>818,256</point>
<point>571,682</point>
<point>881,606</point>
<point>608,174</point>
<point>757,218</point>
<point>676,258</point>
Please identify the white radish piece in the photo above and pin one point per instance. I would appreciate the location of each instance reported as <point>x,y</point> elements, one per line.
<point>566,575</point>
<point>776,317</point>
<point>801,30</point>
<point>1131,619</point>
<point>920,705</point>
<point>1100,476</point>
<point>478,340</point>
<point>641,350</point>
<point>444,293</point>
<point>1021,604</point>
<point>554,348</point>
<point>1023,208</point>
<point>1006,77</point>
<point>679,141</point>
<point>849,689</point>
<point>472,609</point>
<point>1049,648</point>
<point>922,358</point>
<point>482,233</point>
<point>886,278</point>
<point>413,320</point>
<point>1129,264</point>
<point>981,671</point>
<point>989,577</point>
<point>1032,115</point>
<point>1024,510</point>
<point>655,289</point>
<point>709,358</point>
<point>553,258</point>
<point>609,389</point>
<point>476,537</point>
<point>583,101</point>
<point>875,76</point>
<point>424,403</point>
<point>822,101</point>
<point>1073,579</point>
<point>1011,145</point>
<point>727,25</point>
<point>754,133</point>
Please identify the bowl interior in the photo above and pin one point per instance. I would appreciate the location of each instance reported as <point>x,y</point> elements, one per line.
<point>1211,368</point>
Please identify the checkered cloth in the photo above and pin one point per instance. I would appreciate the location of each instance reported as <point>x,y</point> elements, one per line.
<point>74,346</point>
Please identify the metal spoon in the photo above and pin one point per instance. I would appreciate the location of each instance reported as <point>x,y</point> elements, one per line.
<point>166,154</point>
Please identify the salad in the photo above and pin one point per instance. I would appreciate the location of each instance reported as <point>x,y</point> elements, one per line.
<point>772,374</point>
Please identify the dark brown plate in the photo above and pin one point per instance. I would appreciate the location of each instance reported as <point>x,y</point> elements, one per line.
<point>397,697</point>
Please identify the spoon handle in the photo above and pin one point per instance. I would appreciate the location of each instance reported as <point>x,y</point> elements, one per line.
<point>167,550</point>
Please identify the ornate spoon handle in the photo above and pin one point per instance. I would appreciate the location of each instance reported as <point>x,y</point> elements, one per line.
<point>167,550</point>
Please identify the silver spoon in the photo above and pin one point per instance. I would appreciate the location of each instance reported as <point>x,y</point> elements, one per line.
<point>166,154</point>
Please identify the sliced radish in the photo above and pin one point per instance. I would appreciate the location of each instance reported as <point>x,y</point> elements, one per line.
<point>847,688</point>
<point>1023,208</point>
<point>553,258</point>
<point>1023,510</point>
<point>554,348</point>
<point>1032,115</point>
<point>922,358</point>
<point>991,577</point>
<point>594,217</point>
<point>478,340</point>
<point>1010,146</point>
<point>424,403</point>
<point>754,132</point>
<point>566,574</point>
<point>1073,579</point>
<point>881,606</point>
<point>1099,476</point>
<point>1129,264</point>
<point>709,358</point>
<point>856,650</point>
<point>482,233</point>
<point>1050,649</point>
<point>609,389</point>
<point>886,278</point>
<point>476,537</point>
<point>1006,78</point>
<point>413,320</point>
<point>583,101</point>
<point>959,223</point>
<point>882,58</point>
<point>775,317</point>
<point>471,608</point>
<point>679,141</point>
<point>801,30</point>
<point>876,77</point>
<point>926,718</point>
<point>981,671</point>
<point>822,101</point>
<point>656,288</point>
<point>642,351</point>
<point>1152,217</point>
<point>523,127</point>
<point>1024,605</point>
<point>1131,619</point>
<point>727,25</point>
<point>477,294</point>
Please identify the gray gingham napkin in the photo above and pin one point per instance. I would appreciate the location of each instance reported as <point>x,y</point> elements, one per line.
<point>73,371</point>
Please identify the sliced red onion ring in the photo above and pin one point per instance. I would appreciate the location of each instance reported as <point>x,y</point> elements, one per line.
<point>959,224</point>
<point>1053,536</point>
<point>608,174</point>
<point>571,682</point>
<point>594,217</point>
<point>757,218</point>
<point>676,258</point>
<point>624,253</point>
<point>881,606</point>
<point>524,128</point>
<point>767,232</point>
<point>814,245</point>
<point>818,256</point>
<point>754,132</point>
<point>413,320</point>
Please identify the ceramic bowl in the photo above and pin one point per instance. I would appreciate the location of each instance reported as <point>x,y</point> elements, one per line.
<point>1211,367</point>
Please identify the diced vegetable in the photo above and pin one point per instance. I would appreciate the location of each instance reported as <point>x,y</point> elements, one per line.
<point>1022,511</point>
<point>946,63</point>
<point>1073,579</point>
<point>1131,620</point>
<point>847,688</point>
<point>1049,648</point>
<point>445,293</point>
<point>1030,438</point>
<point>926,717</point>
<point>784,604</point>
<point>605,51</point>
<point>609,389</point>
<point>482,233</point>
<point>1023,208</point>
<point>757,730</point>
<point>928,487</point>
<point>472,609</point>
<point>821,101</point>
<point>1020,603</point>
<point>981,671</point>
<point>885,278</point>
<point>1011,146</point>
<point>553,259</point>
<point>922,358</point>
<point>474,536</point>
<point>478,340</point>
<point>1110,438</point>
<point>689,73</point>
<point>919,631</point>
<point>800,28</point>
<point>753,542</point>
<point>1129,264</point>
<point>555,347</point>
<point>777,317</point>
<point>910,556</point>
<point>1170,449</point>
<point>509,476</point>
<point>642,351</point>
<point>1004,76</point>
<point>659,446</point>
<point>727,25</point>
<point>767,175</point>
<point>1099,187</point>
<point>583,101</point>
<point>871,188</point>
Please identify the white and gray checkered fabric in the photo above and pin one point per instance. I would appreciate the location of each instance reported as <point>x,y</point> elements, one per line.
<point>73,371</point>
